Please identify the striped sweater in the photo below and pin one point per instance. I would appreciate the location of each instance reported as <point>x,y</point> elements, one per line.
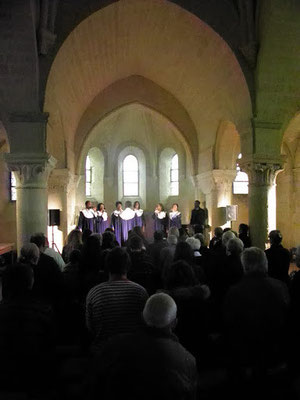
<point>114,307</point>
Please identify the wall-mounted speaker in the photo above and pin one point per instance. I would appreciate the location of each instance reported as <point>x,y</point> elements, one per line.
<point>231,213</point>
<point>53,217</point>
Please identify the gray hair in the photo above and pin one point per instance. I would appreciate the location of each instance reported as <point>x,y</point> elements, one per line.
<point>226,237</point>
<point>200,237</point>
<point>254,261</point>
<point>174,231</point>
<point>235,246</point>
<point>194,243</point>
<point>30,253</point>
<point>160,310</point>
<point>172,239</point>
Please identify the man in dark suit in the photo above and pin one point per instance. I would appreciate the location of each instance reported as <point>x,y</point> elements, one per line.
<point>278,258</point>
<point>199,215</point>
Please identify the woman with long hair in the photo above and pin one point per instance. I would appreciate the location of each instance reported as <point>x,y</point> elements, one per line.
<point>74,242</point>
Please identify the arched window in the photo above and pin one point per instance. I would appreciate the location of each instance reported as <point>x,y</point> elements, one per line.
<point>130,176</point>
<point>88,176</point>
<point>174,176</point>
<point>13,184</point>
<point>240,184</point>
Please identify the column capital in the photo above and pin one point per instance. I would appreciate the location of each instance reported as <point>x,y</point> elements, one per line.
<point>32,169</point>
<point>216,179</point>
<point>61,179</point>
<point>261,172</point>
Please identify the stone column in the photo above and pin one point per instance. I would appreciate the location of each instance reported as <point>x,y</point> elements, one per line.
<point>217,187</point>
<point>261,199</point>
<point>61,195</point>
<point>296,219</point>
<point>32,172</point>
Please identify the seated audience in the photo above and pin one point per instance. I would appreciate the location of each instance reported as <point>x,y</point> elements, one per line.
<point>55,255</point>
<point>190,296</point>
<point>195,245</point>
<point>174,231</point>
<point>149,364</point>
<point>244,235</point>
<point>115,306</point>
<point>185,252</point>
<point>216,241</point>
<point>156,247</point>
<point>278,257</point>
<point>48,278</point>
<point>26,333</point>
<point>167,253</point>
<point>74,242</point>
<point>255,312</point>
<point>141,270</point>
<point>90,263</point>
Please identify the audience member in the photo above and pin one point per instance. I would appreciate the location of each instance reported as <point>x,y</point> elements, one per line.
<point>150,364</point>
<point>244,235</point>
<point>55,255</point>
<point>156,247</point>
<point>115,306</point>
<point>278,257</point>
<point>216,241</point>
<point>74,242</point>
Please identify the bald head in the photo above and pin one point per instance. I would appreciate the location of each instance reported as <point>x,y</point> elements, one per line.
<point>160,311</point>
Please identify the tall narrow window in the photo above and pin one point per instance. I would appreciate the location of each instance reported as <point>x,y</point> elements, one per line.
<point>174,176</point>
<point>130,176</point>
<point>240,184</point>
<point>88,176</point>
<point>13,184</point>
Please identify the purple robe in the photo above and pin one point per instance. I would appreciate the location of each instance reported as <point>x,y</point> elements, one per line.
<point>175,219</point>
<point>127,222</point>
<point>101,222</point>
<point>139,218</point>
<point>116,225</point>
<point>160,222</point>
<point>86,220</point>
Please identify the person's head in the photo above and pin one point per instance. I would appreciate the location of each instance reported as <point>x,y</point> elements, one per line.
<point>254,261</point>
<point>174,207</point>
<point>137,230</point>
<point>200,237</point>
<point>158,236</point>
<point>117,262</point>
<point>86,234</point>
<point>174,231</point>
<point>119,205</point>
<point>128,204</point>
<point>197,204</point>
<point>218,232</point>
<point>160,312</point>
<point>98,236</point>
<point>18,280</point>
<point>184,252</point>
<point>136,205</point>
<point>243,229</point>
<point>108,240</point>
<point>75,238</point>
<point>75,256</point>
<point>297,256</point>
<point>40,240</point>
<point>88,204</point>
<point>275,237</point>
<point>226,237</point>
<point>198,228</point>
<point>159,207</point>
<point>101,207</point>
<point>181,274</point>
<point>194,243</point>
<point>30,254</point>
<point>172,240</point>
<point>135,243</point>
<point>234,247</point>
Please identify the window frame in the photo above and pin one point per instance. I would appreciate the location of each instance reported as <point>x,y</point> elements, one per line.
<point>88,173</point>
<point>12,186</point>
<point>236,180</point>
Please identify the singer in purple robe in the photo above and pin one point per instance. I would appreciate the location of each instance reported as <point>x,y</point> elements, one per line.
<point>87,218</point>
<point>127,220</point>
<point>139,219</point>
<point>101,218</point>
<point>175,217</point>
<point>160,218</point>
<point>116,222</point>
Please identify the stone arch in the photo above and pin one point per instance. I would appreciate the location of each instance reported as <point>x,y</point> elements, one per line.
<point>185,57</point>
<point>227,146</point>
